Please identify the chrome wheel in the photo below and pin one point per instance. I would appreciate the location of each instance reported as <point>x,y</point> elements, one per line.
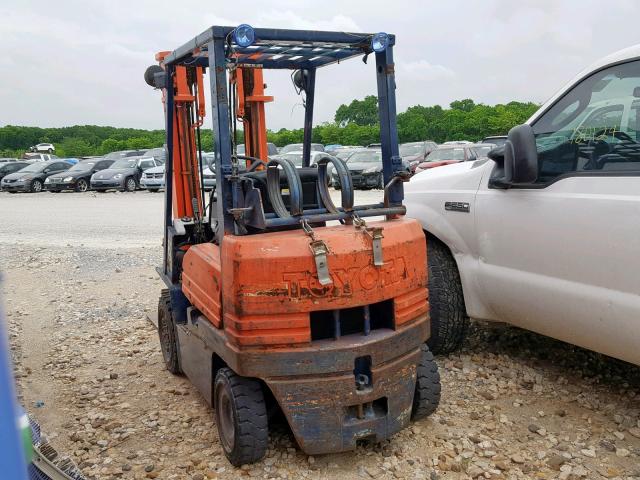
<point>82,185</point>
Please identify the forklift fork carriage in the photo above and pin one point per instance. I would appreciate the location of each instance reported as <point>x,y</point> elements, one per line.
<point>265,299</point>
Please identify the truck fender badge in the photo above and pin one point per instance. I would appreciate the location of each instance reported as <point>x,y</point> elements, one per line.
<point>457,206</point>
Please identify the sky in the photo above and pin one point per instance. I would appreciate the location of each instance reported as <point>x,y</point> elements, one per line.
<point>76,62</point>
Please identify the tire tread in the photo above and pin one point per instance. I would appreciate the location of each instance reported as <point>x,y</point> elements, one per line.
<point>427,394</point>
<point>449,321</point>
<point>164,309</point>
<point>252,429</point>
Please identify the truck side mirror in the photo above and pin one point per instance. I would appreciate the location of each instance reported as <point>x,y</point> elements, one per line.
<point>518,158</point>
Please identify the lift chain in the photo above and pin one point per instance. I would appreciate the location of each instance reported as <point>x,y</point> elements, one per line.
<point>320,251</point>
<point>375,233</point>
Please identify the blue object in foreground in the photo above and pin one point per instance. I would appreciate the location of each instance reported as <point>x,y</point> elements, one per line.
<point>13,463</point>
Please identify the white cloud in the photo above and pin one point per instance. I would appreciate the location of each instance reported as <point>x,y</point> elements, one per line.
<point>426,71</point>
<point>81,61</point>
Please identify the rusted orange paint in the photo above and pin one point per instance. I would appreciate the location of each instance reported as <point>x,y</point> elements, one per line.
<point>270,284</point>
<point>251,99</point>
<point>201,280</point>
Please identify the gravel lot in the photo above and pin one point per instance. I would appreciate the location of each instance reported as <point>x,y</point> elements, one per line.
<point>79,281</point>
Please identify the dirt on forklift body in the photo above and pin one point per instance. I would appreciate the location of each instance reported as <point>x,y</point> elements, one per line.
<point>267,305</point>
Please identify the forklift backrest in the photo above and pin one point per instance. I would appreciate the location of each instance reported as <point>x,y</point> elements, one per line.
<point>308,177</point>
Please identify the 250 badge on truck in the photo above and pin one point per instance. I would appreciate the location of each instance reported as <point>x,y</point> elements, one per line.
<point>545,234</point>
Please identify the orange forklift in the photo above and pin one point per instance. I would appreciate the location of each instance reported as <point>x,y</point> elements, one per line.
<point>277,299</point>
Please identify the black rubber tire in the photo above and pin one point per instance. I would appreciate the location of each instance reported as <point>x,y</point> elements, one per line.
<point>54,191</point>
<point>167,334</point>
<point>381,181</point>
<point>50,150</point>
<point>129,185</point>
<point>240,409</point>
<point>82,185</point>
<point>36,186</point>
<point>449,321</point>
<point>427,394</point>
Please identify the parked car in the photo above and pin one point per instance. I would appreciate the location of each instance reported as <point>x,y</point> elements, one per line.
<point>32,177</point>
<point>343,153</point>
<point>416,152</point>
<point>159,154</point>
<point>4,160</point>
<point>453,153</point>
<point>153,178</point>
<point>124,153</point>
<point>271,149</point>
<point>43,148</point>
<point>296,157</point>
<point>77,178</point>
<point>331,148</point>
<point>497,140</point>
<point>297,147</point>
<point>544,234</point>
<point>208,170</point>
<point>123,174</point>
<point>39,157</point>
<point>209,178</point>
<point>365,166</point>
<point>10,167</point>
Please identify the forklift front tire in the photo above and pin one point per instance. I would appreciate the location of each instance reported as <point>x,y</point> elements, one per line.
<point>167,334</point>
<point>427,395</point>
<point>241,416</point>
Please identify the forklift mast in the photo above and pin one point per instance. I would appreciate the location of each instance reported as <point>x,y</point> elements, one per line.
<point>237,86</point>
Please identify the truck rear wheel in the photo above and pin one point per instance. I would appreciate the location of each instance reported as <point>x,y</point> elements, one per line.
<point>448,314</point>
<point>427,395</point>
<point>167,333</point>
<point>241,416</point>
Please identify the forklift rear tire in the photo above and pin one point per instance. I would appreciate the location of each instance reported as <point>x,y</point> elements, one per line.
<point>167,333</point>
<point>427,395</point>
<point>449,321</point>
<point>241,416</point>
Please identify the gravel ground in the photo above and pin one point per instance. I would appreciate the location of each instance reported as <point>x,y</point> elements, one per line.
<point>79,282</point>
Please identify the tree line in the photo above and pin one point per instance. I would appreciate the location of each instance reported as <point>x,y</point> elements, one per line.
<point>354,124</point>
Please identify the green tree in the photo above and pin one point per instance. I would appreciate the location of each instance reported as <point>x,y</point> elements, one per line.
<point>466,105</point>
<point>360,112</point>
<point>355,124</point>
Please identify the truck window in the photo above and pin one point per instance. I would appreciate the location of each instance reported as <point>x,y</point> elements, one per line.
<point>634,120</point>
<point>594,127</point>
<point>146,164</point>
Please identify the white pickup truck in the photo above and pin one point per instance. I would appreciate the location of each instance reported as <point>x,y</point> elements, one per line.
<point>545,234</point>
